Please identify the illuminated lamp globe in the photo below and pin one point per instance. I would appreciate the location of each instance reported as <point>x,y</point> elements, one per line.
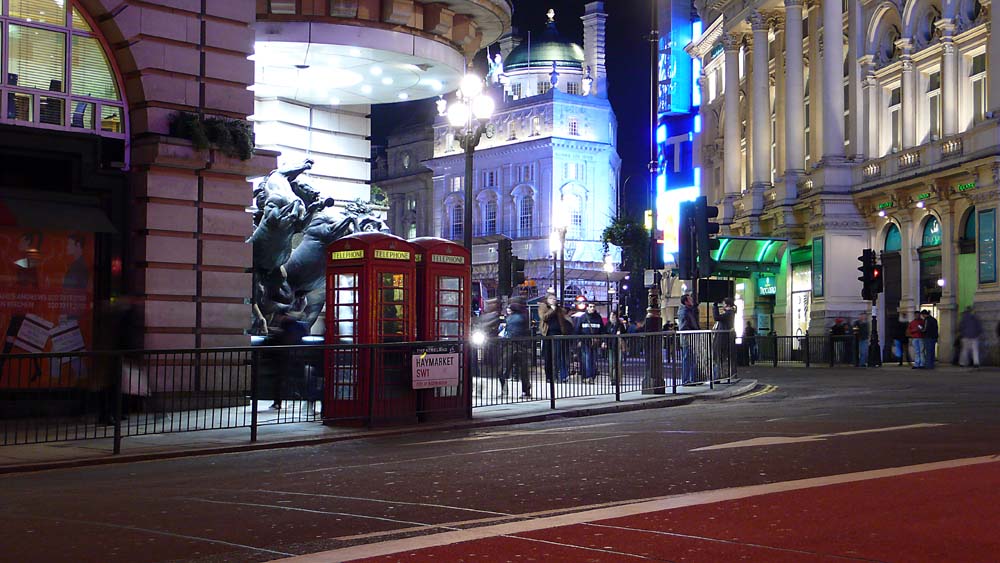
<point>470,86</point>
<point>458,114</point>
<point>482,107</point>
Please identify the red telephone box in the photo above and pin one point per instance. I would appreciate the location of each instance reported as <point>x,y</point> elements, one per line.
<point>444,313</point>
<point>370,296</point>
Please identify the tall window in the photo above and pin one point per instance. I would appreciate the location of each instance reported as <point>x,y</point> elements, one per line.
<point>411,230</point>
<point>978,78</point>
<point>544,86</point>
<point>536,126</point>
<point>54,81</point>
<point>457,221</point>
<point>490,225</point>
<point>574,126</point>
<point>456,184</point>
<point>515,90</point>
<point>934,105</point>
<point>573,88</point>
<point>895,119</point>
<point>774,146</point>
<point>489,179</point>
<point>525,215</point>
<point>575,216</point>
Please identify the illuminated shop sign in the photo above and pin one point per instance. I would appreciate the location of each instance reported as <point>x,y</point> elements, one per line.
<point>885,205</point>
<point>347,255</point>
<point>923,196</point>
<point>965,187</point>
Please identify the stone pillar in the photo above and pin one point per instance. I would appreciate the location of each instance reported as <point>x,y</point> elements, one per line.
<point>993,60</point>
<point>949,79</point>
<point>794,93</point>
<point>815,53</point>
<point>909,86</point>
<point>833,78</point>
<point>731,136</point>
<point>778,23</point>
<point>594,26</point>
<point>855,48</point>
<point>868,135</point>
<point>761,114</point>
<point>948,306</point>
<point>909,261</point>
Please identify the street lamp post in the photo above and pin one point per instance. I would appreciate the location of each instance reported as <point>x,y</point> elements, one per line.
<point>608,268</point>
<point>560,222</point>
<point>469,115</point>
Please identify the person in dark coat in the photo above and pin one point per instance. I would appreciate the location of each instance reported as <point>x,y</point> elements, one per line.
<point>289,366</point>
<point>589,323</point>
<point>687,321</point>
<point>930,338</point>
<point>517,352</point>
<point>725,319</point>
<point>554,322</point>
<point>614,327</point>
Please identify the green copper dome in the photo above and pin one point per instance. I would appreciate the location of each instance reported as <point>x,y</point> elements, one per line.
<point>549,48</point>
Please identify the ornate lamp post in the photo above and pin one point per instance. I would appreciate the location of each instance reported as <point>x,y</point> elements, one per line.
<point>608,268</point>
<point>469,115</point>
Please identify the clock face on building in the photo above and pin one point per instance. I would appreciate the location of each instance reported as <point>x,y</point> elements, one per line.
<point>406,161</point>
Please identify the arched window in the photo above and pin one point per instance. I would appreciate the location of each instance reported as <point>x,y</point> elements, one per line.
<point>969,226</point>
<point>411,230</point>
<point>575,204</point>
<point>525,215</point>
<point>893,240</point>
<point>932,233</point>
<point>490,222</point>
<point>457,217</point>
<point>56,72</point>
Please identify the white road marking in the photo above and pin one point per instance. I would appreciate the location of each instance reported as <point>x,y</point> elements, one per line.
<point>456,454</point>
<point>508,433</point>
<point>384,501</point>
<point>588,516</point>
<point>779,440</point>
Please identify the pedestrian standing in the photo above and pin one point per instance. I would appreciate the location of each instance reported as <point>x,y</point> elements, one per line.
<point>750,338</point>
<point>861,338</point>
<point>688,321</point>
<point>899,340</point>
<point>553,322</point>
<point>915,333</point>
<point>517,327</point>
<point>587,325</point>
<point>970,329</point>
<point>725,319</point>
<point>930,338</point>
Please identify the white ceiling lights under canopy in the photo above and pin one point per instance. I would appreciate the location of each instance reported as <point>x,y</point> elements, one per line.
<point>371,66</point>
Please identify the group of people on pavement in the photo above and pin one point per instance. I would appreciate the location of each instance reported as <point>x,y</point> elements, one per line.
<point>555,320</point>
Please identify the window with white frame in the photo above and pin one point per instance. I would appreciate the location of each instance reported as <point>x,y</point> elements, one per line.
<point>573,88</point>
<point>977,76</point>
<point>456,184</point>
<point>449,141</point>
<point>515,90</point>
<point>934,105</point>
<point>807,133</point>
<point>411,202</point>
<point>536,125</point>
<point>489,179</point>
<point>457,221</point>
<point>575,216</point>
<point>574,126</point>
<point>411,230</point>
<point>544,86</point>
<point>895,119</point>
<point>490,224</point>
<point>525,215</point>
<point>711,86</point>
<point>56,70</point>
<point>528,173</point>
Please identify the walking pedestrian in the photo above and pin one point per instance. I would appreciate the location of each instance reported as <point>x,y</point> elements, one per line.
<point>900,346</point>
<point>688,321</point>
<point>725,319</point>
<point>915,333</point>
<point>517,327</point>
<point>970,329</point>
<point>930,338</point>
<point>616,328</point>
<point>554,323</point>
<point>589,324</point>
<point>861,338</point>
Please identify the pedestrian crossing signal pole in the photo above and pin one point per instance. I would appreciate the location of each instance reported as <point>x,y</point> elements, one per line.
<point>874,348</point>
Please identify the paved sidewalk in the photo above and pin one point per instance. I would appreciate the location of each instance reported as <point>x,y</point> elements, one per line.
<point>53,455</point>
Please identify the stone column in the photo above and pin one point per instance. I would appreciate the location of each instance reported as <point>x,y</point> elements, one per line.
<point>761,114</point>
<point>869,134</point>
<point>993,57</point>
<point>833,78</point>
<point>731,136</point>
<point>949,78</point>
<point>780,107</point>
<point>948,306</point>
<point>815,54</point>
<point>854,102</point>
<point>909,86</point>
<point>794,92</point>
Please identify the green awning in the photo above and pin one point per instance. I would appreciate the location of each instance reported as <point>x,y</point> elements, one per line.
<point>739,257</point>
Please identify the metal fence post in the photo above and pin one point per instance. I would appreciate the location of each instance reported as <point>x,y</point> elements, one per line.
<point>555,371</point>
<point>833,349</point>
<point>618,366</point>
<point>118,365</point>
<point>806,348</point>
<point>254,375</point>
<point>372,370</point>
<point>774,349</point>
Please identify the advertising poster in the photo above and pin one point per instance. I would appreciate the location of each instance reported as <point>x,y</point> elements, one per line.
<point>46,304</point>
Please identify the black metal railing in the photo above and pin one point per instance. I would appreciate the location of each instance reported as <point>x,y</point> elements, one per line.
<point>93,395</point>
<point>809,350</point>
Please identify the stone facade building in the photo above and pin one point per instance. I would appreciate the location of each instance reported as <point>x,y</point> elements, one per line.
<point>882,135</point>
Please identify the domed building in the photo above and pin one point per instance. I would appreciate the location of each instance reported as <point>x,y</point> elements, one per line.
<point>550,161</point>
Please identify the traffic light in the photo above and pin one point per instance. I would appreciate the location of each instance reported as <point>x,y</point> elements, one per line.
<point>686,243</point>
<point>876,283</point>
<point>516,272</point>
<point>504,260</point>
<point>705,229</point>
<point>867,270</point>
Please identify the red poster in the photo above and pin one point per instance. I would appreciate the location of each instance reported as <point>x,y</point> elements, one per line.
<point>46,304</point>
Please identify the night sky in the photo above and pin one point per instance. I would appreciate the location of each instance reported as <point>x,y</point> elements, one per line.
<point>628,81</point>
